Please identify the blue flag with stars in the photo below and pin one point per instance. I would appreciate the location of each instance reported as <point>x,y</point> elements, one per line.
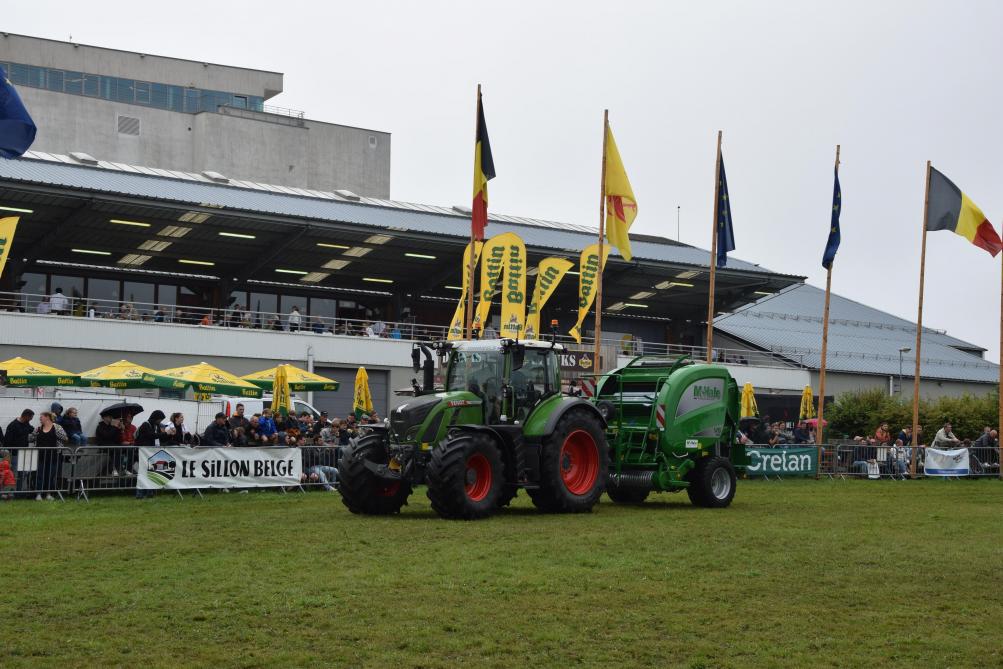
<point>725,235</point>
<point>17,130</point>
<point>832,245</point>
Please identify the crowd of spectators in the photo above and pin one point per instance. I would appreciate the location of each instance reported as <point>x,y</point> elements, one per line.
<point>320,440</point>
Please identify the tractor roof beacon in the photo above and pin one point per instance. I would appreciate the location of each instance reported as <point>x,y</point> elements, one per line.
<point>672,425</point>
<point>499,424</point>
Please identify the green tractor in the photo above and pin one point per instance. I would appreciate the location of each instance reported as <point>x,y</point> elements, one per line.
<point>500,424</point>
<point>672,426</point>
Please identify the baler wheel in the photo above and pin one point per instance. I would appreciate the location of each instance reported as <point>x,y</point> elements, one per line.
<point>712,483</point>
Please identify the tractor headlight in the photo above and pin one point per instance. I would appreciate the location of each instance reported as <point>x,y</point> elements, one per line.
<point>412,433</point>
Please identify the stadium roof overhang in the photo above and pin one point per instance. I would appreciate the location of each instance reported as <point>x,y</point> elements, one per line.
<point>144,225</point>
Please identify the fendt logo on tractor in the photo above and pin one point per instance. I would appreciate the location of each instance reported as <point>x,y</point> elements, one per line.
<point>706,392</point>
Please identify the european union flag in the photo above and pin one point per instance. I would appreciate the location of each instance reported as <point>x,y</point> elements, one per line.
<point>725,235</point>
<point>832,245</point>
<point>17,130</point>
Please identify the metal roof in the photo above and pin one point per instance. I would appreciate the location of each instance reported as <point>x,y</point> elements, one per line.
<point>862,339</point>
<point>202,191</point>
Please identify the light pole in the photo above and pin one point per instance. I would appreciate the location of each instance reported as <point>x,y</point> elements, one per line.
<point>678,209</point>
<point>904,349</point>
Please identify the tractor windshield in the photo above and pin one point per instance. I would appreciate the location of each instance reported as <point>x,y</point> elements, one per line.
<point>476,371</point>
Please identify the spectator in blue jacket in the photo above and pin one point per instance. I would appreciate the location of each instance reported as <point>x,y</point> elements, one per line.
<point>71,425</point>
<point>266,425</point>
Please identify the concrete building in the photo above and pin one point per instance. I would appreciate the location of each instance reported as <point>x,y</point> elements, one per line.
<point>187,116</point>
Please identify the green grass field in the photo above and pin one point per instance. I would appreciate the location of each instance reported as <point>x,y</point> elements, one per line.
<point>795,573</point>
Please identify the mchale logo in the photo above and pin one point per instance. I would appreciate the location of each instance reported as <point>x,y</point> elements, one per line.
<point>706,393</point>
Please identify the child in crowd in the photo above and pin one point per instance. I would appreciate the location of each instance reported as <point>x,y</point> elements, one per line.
<point>7,479</point>
<point>266,425</point>
<point>71,425</point>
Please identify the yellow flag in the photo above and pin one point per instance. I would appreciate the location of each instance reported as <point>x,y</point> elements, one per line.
<point>513,312</point>
<point>7,227</point>
<point>621,207</point>
<point>549,273</point>
<point>588,270</point>
<point>458,324</point>
<point>282,402</point>
<point>363,402</point>
<point>494,260</point>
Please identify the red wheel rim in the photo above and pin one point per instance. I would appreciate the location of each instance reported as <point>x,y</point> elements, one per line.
<point>387,489</point>
<point>478,477</point>
<point>579,462</point>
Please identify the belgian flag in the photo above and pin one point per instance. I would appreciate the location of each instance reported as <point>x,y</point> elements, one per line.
<point>484,171</point>
<point>950,209</point>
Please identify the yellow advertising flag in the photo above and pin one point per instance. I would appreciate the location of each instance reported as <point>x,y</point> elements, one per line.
<point>588,269</point>
<point>458,323</point>
<point>621,207</point>
<point>363,401</point>
<point>7,227</point>
<point>494,260</point>
<point>513,311</point>
<point>549,273</point>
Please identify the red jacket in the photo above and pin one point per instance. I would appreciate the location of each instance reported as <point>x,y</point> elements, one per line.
<point>6,475</point>
<point>128,434</point>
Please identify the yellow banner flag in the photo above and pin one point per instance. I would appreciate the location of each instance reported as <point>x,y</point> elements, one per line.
<point>282,402</point>
<point>621,207</point>
<point>494,260</point>
<point>363,400</point>
<point>458,324</point>
<point>588,269</point>
<point>7,227</point>
<point>513,312</point>
<point>549,273</point>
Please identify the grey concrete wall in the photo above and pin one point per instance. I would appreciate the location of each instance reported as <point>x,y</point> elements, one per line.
<point>837,383</point>
<point>320,156</point>
<point>145,67</point>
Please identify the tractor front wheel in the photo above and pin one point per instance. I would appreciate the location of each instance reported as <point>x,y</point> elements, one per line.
<point>712,483</point>
<point>573,464</point>
<point>362,491</point>
<point>466,477</point>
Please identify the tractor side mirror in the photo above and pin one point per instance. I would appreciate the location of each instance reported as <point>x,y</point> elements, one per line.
<point>518,357</point>
<point>415,359</point>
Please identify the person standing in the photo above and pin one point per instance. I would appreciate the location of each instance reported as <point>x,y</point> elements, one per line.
<point>238,419</point>
<point>58,304</point>
<point>150,433</point>
<point>109,433</point>
<point>17,434</point>
<point>49,438</point>
<point>295,319</point>
<point>882,435</point>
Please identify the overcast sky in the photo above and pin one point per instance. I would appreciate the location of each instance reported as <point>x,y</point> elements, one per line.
<point>896,83</point>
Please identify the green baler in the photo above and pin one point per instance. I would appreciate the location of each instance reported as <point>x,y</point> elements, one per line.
<point>672,425</point>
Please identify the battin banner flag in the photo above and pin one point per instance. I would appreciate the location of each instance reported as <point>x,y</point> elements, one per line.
<point>588,269</point>
<point>549,273</point>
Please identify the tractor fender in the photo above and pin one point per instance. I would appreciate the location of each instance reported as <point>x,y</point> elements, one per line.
<point>484,429</point>
<point>557,412</point>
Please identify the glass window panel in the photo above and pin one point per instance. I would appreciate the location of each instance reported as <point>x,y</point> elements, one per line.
<point>167,295</point>
<point>92,85</point>
<point>322,306</point>
<point>103,295</point>
<point>73,82</point>
<point>122,90</point>
<point>176,98</point>
<point>143,92</point>
<point>140,294</point>
<point>54,80</point>
<point>160,95</point>
<point>33,290</point>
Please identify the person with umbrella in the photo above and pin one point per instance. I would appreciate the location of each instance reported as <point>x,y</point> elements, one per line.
<point>111,431</point>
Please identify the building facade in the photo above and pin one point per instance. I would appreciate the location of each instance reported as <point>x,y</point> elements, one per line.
<point>188,116</point>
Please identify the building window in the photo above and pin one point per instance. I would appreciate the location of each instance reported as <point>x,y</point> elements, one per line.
<point>140,294</point>
<point>143,91</point>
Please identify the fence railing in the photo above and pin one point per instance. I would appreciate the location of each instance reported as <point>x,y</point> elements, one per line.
<point>239,317</point>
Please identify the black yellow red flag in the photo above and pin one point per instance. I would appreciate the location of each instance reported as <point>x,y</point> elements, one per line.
<point>484,171</point>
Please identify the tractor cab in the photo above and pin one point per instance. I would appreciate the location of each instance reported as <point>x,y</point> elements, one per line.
<point>511,377</point>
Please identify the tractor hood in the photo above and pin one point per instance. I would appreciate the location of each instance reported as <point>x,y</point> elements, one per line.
<point>408,417</point>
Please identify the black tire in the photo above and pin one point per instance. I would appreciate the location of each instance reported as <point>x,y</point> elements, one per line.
<point>712,483</point>
<point>361,490</point>
<point>573,466</point>
<point>466,477</point>
<point>608,411</point>
<point>626,495</point>
<point>508,493</point>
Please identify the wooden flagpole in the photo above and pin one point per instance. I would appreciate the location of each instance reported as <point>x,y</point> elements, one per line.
<point>602,234</point>
<point>919,331</point>
<point>713,250</point>
<point>819,427</point>
<point>471,264</point>
<point>999,424</point>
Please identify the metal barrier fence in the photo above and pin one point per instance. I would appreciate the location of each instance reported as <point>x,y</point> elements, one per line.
<point>871,461</point>
<point>77,471</point>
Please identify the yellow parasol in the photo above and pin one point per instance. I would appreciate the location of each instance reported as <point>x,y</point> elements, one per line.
<point>23,373</point>
<point>299,380</point>
<point>122,374</point>
<point>807,404</point>
<point>203,378</point>
<point>363,401</point>
<point>749,407</point>
<point>282,400</point>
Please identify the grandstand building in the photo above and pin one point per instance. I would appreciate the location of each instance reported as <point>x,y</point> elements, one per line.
<point>172,258</point>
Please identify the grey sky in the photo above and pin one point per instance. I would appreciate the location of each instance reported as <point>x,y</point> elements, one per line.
<point>896,83</point>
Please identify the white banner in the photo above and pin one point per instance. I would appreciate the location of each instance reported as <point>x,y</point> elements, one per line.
<point>946,463</point>
<point>176,468</point>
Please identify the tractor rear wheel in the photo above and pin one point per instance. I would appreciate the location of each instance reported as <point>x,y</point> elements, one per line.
<point>364,492</point>
<point>573,464</point>
<point>466,477</point>
<point>712,483</point>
